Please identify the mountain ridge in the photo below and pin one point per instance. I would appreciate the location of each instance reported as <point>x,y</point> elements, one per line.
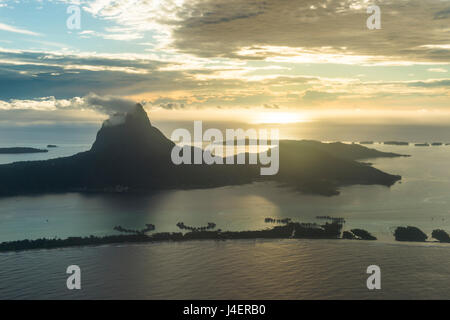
<point>131,155</point>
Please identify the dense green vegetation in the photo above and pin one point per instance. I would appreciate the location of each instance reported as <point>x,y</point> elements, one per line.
<point>289,230</point>
<point>409,234</point>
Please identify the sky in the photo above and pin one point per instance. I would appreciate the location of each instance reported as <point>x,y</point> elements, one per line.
<point>256,61</point>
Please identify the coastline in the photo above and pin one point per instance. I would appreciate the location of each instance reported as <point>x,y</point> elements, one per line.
<point>290,230</point>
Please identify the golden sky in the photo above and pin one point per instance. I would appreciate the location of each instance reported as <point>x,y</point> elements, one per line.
<point>282,61</point>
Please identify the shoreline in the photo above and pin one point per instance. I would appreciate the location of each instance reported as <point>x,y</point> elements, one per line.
<point>289,230</point>
<point>434,244</point>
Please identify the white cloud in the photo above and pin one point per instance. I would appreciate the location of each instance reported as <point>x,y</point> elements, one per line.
<point>437,46</point>
<point>442,70</point>
<point>5,27</point>
<point>107,105</point>
<point>39,104</point>
<point>229,28</point>
<point>119,34</point>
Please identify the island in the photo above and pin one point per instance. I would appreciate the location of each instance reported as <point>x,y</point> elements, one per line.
<point>410,234</point>
<point>366,142</point>
<point>148,227</point>
<point>334,219</point>
<point>396,143</point>
<point>52,146</point>
<point>436,144</point>
<point>19,150</point>
<point>422,144</point>
<point>290,230</point>
<point>358,234</point>
<point>273,220</point>
<point>133,156</point>
<point>441,235</point>
<point>182,226</point>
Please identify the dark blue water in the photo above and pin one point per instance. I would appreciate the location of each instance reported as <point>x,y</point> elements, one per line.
<point>288,269</point>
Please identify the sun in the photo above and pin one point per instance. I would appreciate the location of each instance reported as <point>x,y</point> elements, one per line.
<point>279,118</point>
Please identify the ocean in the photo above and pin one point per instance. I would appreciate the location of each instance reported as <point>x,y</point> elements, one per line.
<point>269,269</point>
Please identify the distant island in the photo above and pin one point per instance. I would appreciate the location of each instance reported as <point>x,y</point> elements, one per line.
<point>410,234</point>
<point>396,143</point>
<point>52,146</point>
<point>416,235</point>
<point>19,150</point>
<point>148,227</point>
<point>134,156</point>
<point>358,234</point>
<point>441,235</point>
<point>422,144</point>
<point>289,230</point>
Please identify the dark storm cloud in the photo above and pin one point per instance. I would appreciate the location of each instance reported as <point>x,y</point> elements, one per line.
<point>50,58</point>
<point>172,105</point>
<point>66,84</point>
<point>443,14</point>
<point>108,104</point>
<point>212,28</point>
<point>216,12</point>
<point>26,75</point>
<point>431,84</point>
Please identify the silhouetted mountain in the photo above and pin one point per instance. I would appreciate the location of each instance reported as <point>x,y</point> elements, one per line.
<point>131,134</point>
<point>346,151</point>
<point>130,155</point>
<point>321,168</point>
